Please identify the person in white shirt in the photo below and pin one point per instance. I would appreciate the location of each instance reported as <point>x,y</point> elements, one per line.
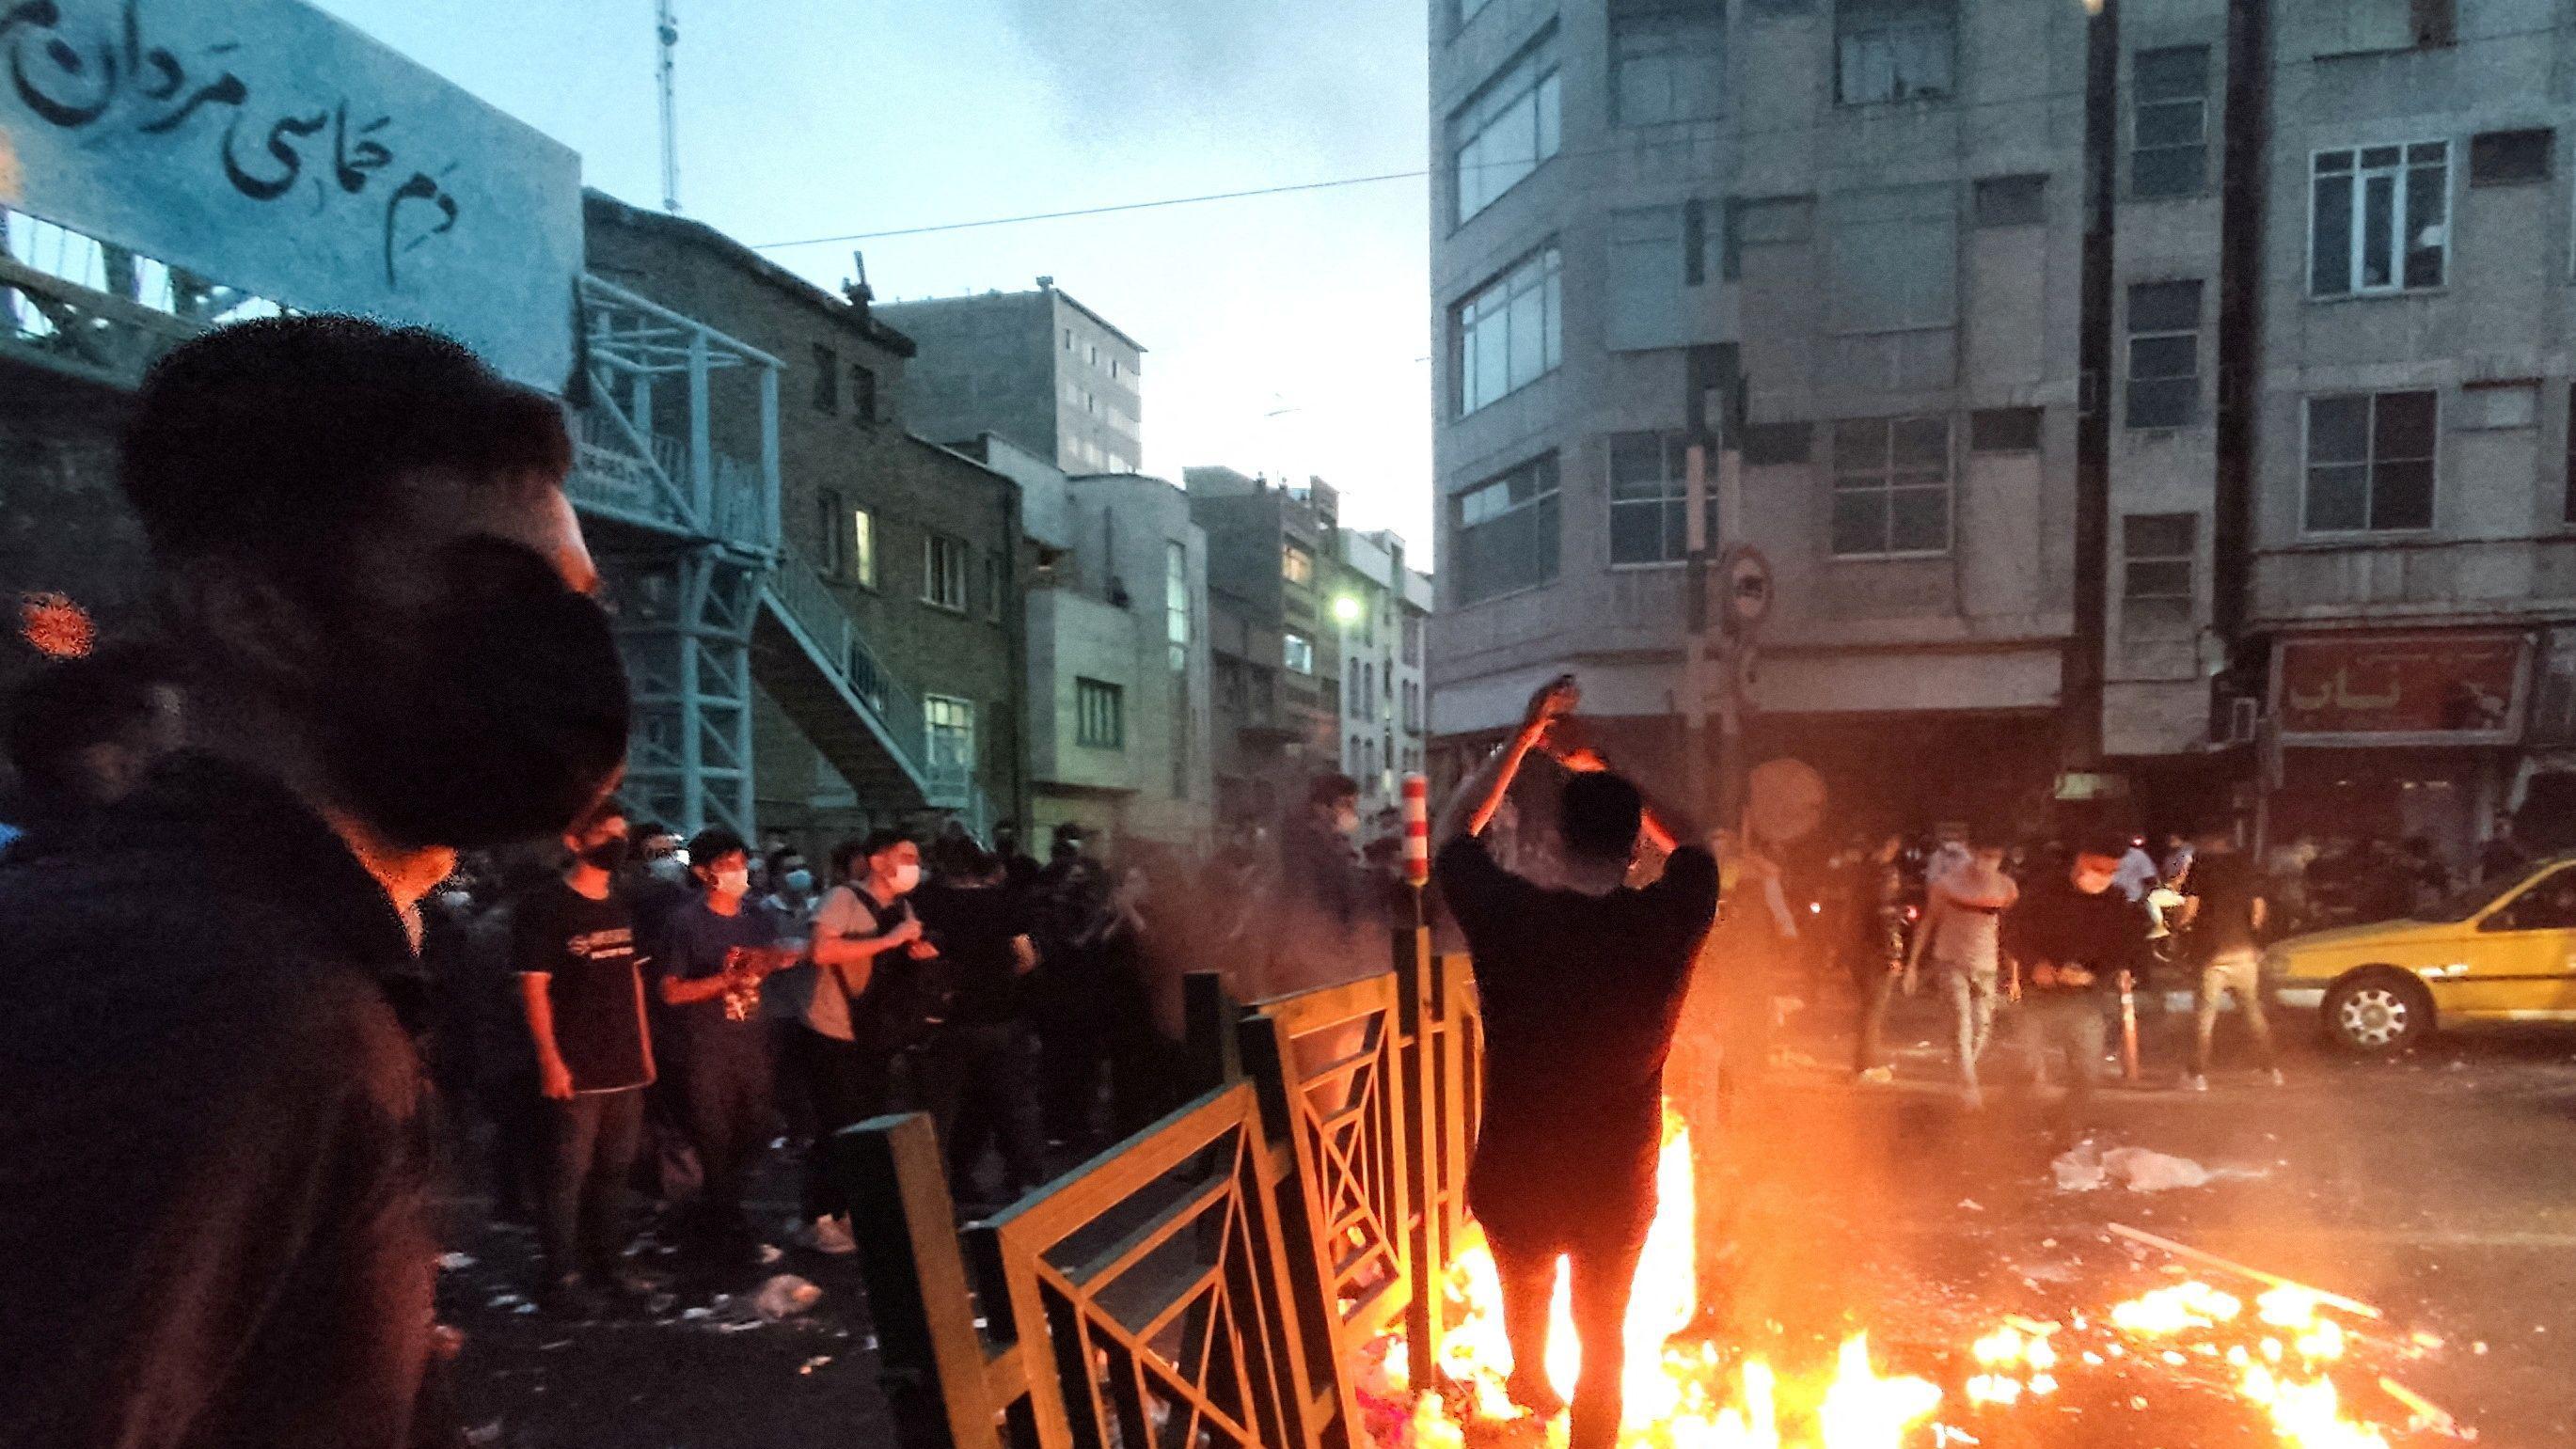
<point>1962,925</point>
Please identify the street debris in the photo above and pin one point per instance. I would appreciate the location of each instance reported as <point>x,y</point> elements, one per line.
<point>2086,1167</point>
<point>785,1296</point>
<point>456,1262</point>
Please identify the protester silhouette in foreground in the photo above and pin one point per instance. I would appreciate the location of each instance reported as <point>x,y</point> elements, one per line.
<point>1580,988</point>
<point>214,1159</point>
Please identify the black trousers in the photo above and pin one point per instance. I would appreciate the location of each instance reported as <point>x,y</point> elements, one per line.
<point>838,1082</point>
<point>976,1082</point>
<point>726,1090</point>
<point>1601,1272</point>
<point>590,1152</point>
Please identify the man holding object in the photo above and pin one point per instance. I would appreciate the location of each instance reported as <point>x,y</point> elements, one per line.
<point>1581,987</point>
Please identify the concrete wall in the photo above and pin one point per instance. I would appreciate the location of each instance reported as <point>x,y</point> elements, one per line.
<point>1036,367</point>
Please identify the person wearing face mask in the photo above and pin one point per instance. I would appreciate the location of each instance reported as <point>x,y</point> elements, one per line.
<point>214,1215</point>
<point>975,1065</point>
<point>581,982</point>
<point>791,888</point>
<point>833,1051</point>
<point>713,955</point>
<point>2074,937</point>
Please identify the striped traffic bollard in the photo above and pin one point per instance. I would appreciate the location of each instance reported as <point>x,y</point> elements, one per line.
<point>1417,831</point>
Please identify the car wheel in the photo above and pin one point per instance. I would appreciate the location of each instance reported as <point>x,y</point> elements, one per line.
<point>2376,1013</point>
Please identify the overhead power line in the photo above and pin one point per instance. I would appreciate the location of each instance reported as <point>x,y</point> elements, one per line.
<point>1736,136</point>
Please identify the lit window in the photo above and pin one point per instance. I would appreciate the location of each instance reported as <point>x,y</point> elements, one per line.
<point>950,727</point>
<point>1297,652</point>
<point>1176,603</point>
<point>863,547</point>
<point>1296,565</point>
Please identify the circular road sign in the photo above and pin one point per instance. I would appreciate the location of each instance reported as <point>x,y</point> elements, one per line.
<point>1748,585</point>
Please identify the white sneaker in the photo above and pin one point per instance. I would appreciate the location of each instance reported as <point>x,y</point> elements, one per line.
<point>2195,1083</point>
<point>1878,1076</point>
<point>2277,1079</point>
<point>826,1235</point>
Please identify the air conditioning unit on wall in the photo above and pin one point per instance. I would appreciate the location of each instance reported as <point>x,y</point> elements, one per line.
<point>2234,719</point>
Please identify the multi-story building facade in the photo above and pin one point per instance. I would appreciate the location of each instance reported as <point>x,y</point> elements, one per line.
<point>1118,660</point>
<point>887,677</point>
<point>2173,391</point>
<point>1867,220</point>
<point>1380,609</point>
<point>1277,655</point>
<point>1039,368</point>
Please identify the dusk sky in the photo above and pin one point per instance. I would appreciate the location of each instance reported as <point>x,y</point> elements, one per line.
<point>1286,334</point>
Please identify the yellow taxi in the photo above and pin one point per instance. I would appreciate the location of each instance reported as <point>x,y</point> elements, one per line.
<point>2500,952</point>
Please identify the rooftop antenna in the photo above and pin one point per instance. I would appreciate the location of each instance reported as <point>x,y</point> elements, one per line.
<point>667,31</point>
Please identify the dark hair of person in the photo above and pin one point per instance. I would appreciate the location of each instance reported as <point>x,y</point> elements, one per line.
<point>879,841</point>
<point>1332,790</point>
<point>777,860</point>
<point>606,810</point>
<point>1599,816</point>
<point>276,439</point>
<point>68,705</point>
<point>2104,845</point>
<point>713,844</point>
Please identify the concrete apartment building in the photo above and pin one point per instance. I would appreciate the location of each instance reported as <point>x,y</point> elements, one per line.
<point>2238,485</point>
<point>1039,368</point>
<point>1381,611</point>
<point>1119,675</point>
<point>1873,215</point>
<point>1276,652</point>
<point>2339,487</point>
<point>904,553</point>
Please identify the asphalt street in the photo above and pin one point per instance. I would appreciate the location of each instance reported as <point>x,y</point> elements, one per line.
<point>2440,1188</point>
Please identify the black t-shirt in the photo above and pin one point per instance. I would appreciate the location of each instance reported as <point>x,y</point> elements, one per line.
<point>1579,995</point>
<point>2225,884</point>
<point>973,927</point>
<point>586,951</point>
<point>2058,925</point>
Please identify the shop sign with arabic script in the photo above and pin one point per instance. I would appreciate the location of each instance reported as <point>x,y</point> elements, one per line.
<point>2369,689</point>
<point>263,145</point>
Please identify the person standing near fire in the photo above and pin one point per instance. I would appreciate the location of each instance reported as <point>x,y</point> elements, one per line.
<point>1581,987</point>
<point>2075,936</point>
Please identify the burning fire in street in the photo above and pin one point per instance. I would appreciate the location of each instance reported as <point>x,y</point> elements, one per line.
<point>2272,1362</point>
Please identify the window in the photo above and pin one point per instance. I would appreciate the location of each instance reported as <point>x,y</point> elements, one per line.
<point>1509,332</point>
<point>1099,715</point>
<point>2157,551</point>
<point>2379,219</point>
<point>2361,27</point>
<point>1667,65</point>
<point>863,547</point>
<point>1413,639</point>
<point>1176,603</point>
<point>1352,691</point>
<point>1647,275</point>
<point>1894,259</point>
<point>1892,50</point>
<point>950,727</point>
<point>2164,354</point>
<point>1506,129</point>
<point>1891,486</point>
<point>827,510</point>
<point>993,586</point>
<point>943,571</point>
<point>2012,200</point>
<point>827,379</point>
<point>2003,430</point>
<point>1368,691</point>
<point>1505,531</point>
<point>2509,158</point>
<point>1297,652</point>
<point>1770,445</point>
<point>2568,507</point>
<point>1649,506</point>
<point>2370,462</point>
<point>1296,565</point>
<point>863,394</point>
<point>1758,221</point>
<point>2169,122</point>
